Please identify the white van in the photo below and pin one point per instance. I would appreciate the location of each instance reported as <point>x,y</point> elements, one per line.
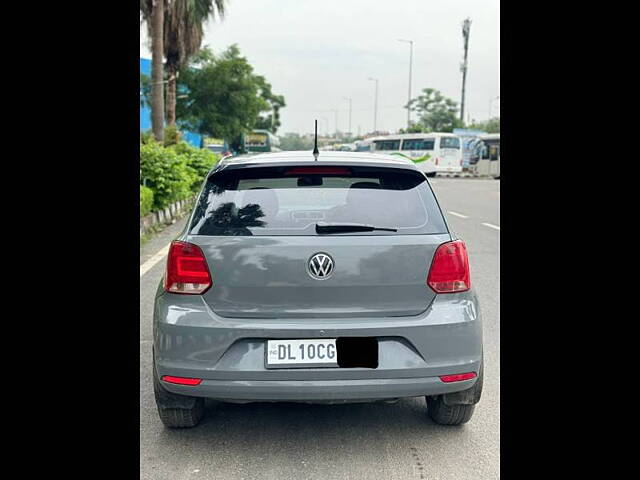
<point>431,152</point>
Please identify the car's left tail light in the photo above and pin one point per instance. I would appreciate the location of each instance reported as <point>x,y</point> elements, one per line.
<point>187,271</point>
<point>192,382</point>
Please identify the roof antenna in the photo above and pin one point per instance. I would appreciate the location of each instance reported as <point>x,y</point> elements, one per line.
<point>315,144</point>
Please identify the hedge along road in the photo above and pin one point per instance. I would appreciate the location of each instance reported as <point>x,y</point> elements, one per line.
<point>386,441</point>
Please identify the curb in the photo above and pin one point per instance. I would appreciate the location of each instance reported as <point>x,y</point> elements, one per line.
<point>167,216</point>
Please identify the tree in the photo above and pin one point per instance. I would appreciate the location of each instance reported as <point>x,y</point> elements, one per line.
<point>183,34</point>
<point>271,121</point>
<point>414,128</point>
<point>225,98</point>
<point>293,141</point>
<point>489,126</point>
<point>436,113</point>
<point>152,12</point>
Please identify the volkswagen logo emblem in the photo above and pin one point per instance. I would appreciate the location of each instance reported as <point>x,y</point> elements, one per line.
<point>320,266</point>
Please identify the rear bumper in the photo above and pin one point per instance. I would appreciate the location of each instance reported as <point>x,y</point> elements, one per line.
<point>311,390</point>
<point>228,354</point>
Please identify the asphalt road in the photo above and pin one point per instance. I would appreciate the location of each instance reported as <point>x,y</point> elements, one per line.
<point>356,441</point>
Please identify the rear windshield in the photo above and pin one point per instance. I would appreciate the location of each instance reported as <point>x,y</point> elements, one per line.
<point>291,200</point>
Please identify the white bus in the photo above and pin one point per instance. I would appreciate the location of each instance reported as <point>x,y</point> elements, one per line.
<point>431,152</point>
<point>486,157</point>
<point>364,145</point>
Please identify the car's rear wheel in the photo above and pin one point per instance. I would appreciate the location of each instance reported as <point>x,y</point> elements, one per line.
<point>446,410</point>
<point>177,411</point>
<point>448,414</point>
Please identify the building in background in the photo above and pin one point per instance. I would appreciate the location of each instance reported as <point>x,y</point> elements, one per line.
<point>194,139</point>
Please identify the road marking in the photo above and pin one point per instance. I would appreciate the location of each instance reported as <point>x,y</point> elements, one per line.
<point>149,264</point>
<point>455,214</point>
<point>491,225</point>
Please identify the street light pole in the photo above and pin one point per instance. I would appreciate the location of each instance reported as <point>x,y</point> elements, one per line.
<point>410,42</point>
<point>347,98</point>
<point>491,105</point>
<point>375,105</point>
<point>466,30</point>
<point>336,113</point>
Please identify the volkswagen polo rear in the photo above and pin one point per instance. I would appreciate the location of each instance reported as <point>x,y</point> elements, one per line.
<point>334,280</point>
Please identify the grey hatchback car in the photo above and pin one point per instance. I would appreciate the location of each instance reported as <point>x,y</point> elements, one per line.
<point>325,280</point>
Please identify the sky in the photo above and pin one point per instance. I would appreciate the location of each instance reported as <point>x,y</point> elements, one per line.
<point>317,53</point>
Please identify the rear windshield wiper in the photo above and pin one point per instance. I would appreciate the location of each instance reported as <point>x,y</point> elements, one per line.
<point>323,227</point>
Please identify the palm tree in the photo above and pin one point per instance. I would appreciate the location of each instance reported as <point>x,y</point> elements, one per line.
<point>180,28</point>
<point>153,12</point>
<point>183,35</point>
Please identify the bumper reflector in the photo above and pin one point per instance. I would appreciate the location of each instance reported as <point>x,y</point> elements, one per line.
<point>181,380</point>
<point>458,377</point>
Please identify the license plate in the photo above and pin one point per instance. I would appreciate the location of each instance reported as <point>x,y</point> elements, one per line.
<point>301,353</point>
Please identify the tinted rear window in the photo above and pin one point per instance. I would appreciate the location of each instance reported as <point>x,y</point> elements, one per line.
<point>290,201</point>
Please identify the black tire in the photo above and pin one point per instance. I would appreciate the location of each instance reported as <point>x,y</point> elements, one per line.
<point>431,175</point>
<point>445,414</point>
<point>448,414</point>
<point>177,411</point>
<point>182,417</point>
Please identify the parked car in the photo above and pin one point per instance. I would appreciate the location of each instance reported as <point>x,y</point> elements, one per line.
<point>335,280</point>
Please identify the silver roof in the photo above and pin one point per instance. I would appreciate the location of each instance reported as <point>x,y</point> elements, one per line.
<point>325,157</point>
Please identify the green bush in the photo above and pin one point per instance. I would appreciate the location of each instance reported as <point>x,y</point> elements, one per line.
<point>171,135</point>
<point>146,137</point>
<point>199,160</point>
<point>166,173</point>
<point>169,174</point>
<point>146,200</point>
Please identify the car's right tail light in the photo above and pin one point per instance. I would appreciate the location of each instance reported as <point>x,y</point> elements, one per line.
<point>187,271</point>
<point>458,377</point>
<point>449,272</point>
